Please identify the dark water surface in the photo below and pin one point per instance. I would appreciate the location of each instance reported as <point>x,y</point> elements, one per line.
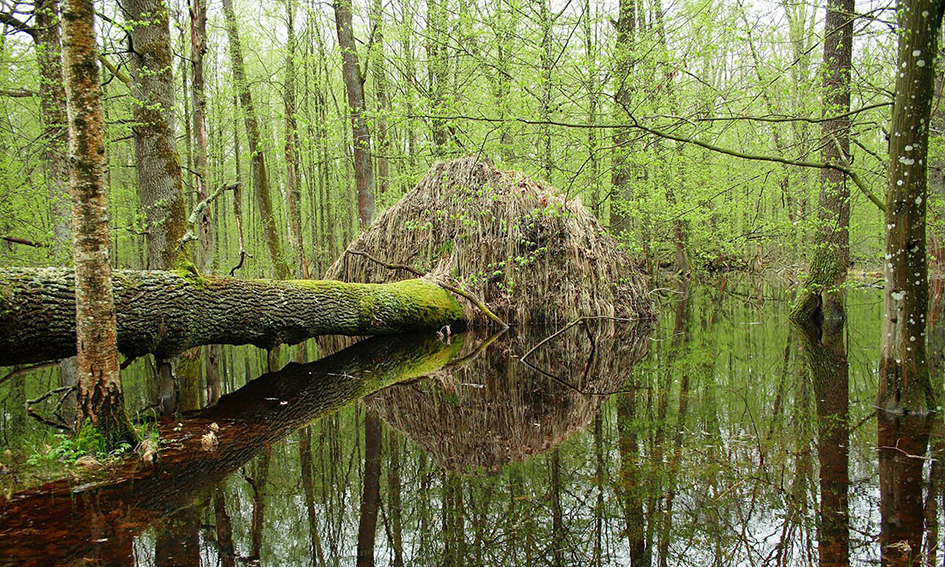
<point>723,436</point>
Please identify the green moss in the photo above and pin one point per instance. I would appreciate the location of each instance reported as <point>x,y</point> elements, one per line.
<point>188,271</point>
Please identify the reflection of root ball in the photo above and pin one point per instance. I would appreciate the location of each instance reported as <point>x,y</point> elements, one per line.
<point>495,410</point>
<point>527,251</point>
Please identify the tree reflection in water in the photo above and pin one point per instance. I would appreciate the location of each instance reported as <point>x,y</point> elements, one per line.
<point>728,437</point>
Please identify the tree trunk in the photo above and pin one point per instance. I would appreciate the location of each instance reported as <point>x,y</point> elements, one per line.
<point>821,298</point>
<point>546,91</point>
<point>361,135</point>
<point>383,100</point>
<point>166,313</point>
<point>52,104</point>
<point>158,163</point>
<point>623,63</point>
<point>293,190</point>
<point>198,39</point>
<point>257,157</point>
<point>90,321</point>
<point>904,383</point>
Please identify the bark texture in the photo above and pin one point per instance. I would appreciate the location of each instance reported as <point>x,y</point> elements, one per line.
<point>52,104</point>
<point>623,65</point>
<point>91,318</point>
<point>904,383</point>
<point>361,134</point>
<point>257,156</point>
<point>198,38</point>
<point>166,313</point>
<point>292,182</point>
<point>160,187</point>
<point>822,299</point>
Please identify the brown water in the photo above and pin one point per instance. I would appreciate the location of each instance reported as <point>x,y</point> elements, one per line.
<point>724,436</point>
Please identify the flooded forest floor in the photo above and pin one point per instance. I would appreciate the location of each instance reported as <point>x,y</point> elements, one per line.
<point>724,436</point>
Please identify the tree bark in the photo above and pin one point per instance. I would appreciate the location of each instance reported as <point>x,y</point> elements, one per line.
<point>257,157</point>
<point>91,320</point>
<point>904,382</point>
<point>821,298</point>
<point>52,104</point>
<point>166,313</point>
<point>361,135</point>
<point>623,63</point>
<point>383,99</point>
<point>198,38</point>
<point>293,191</point>
<point>158,163</point>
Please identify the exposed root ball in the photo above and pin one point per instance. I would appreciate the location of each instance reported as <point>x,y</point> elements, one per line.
<point>528,252</point>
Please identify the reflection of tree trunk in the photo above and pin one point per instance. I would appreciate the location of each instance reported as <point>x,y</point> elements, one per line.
<point>305,458</point>
<point>258,483</point>
<point>370,497</point>
<point>224,529</point>
<point>394,503</point>
<point>829,370</point>
<point>178,539</point>
<point>557,520</point>
<point>902,441</point>
<point>628,473</point>
<point>599,478</point>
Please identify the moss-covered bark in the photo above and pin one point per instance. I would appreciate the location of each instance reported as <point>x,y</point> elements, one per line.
<point>166,313</point>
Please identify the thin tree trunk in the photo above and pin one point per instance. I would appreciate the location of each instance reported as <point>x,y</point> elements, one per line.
<point>361,135</point>
<point>546,68</point>
<point>100,399</point>
<point>383,102</point>
<point>257,156</point>
<point>52,103</point>
<point>623,65</point>
<point>822,298</point>
<point>904,382</point>
<point>198,40</point>
<point>293,190</point>
<point>593,88</point>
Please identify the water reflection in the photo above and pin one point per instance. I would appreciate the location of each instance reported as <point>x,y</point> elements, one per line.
<point>727,437</point>
<point>480,415</point>
<point>60,523</point>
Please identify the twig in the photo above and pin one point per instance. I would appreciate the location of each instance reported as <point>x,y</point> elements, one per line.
<point>200,207</point>
<point>17,93</point>
<point>463,361</point>
<point>458,291</point>
<point>23,241</point>
<point>238,214</point>
<point>115,71</point>
<point>46,421</point>
<point>25,369</point>
<point>58,390</point>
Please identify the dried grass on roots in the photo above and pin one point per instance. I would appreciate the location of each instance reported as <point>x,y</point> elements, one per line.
<point>528,252</point>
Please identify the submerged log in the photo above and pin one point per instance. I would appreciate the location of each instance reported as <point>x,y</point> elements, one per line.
<point>166,313</point>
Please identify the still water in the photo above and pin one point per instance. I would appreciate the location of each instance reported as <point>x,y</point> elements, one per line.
<point>721,436</point>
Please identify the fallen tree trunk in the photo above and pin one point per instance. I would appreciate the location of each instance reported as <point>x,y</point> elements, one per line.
<point>166,313</point>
